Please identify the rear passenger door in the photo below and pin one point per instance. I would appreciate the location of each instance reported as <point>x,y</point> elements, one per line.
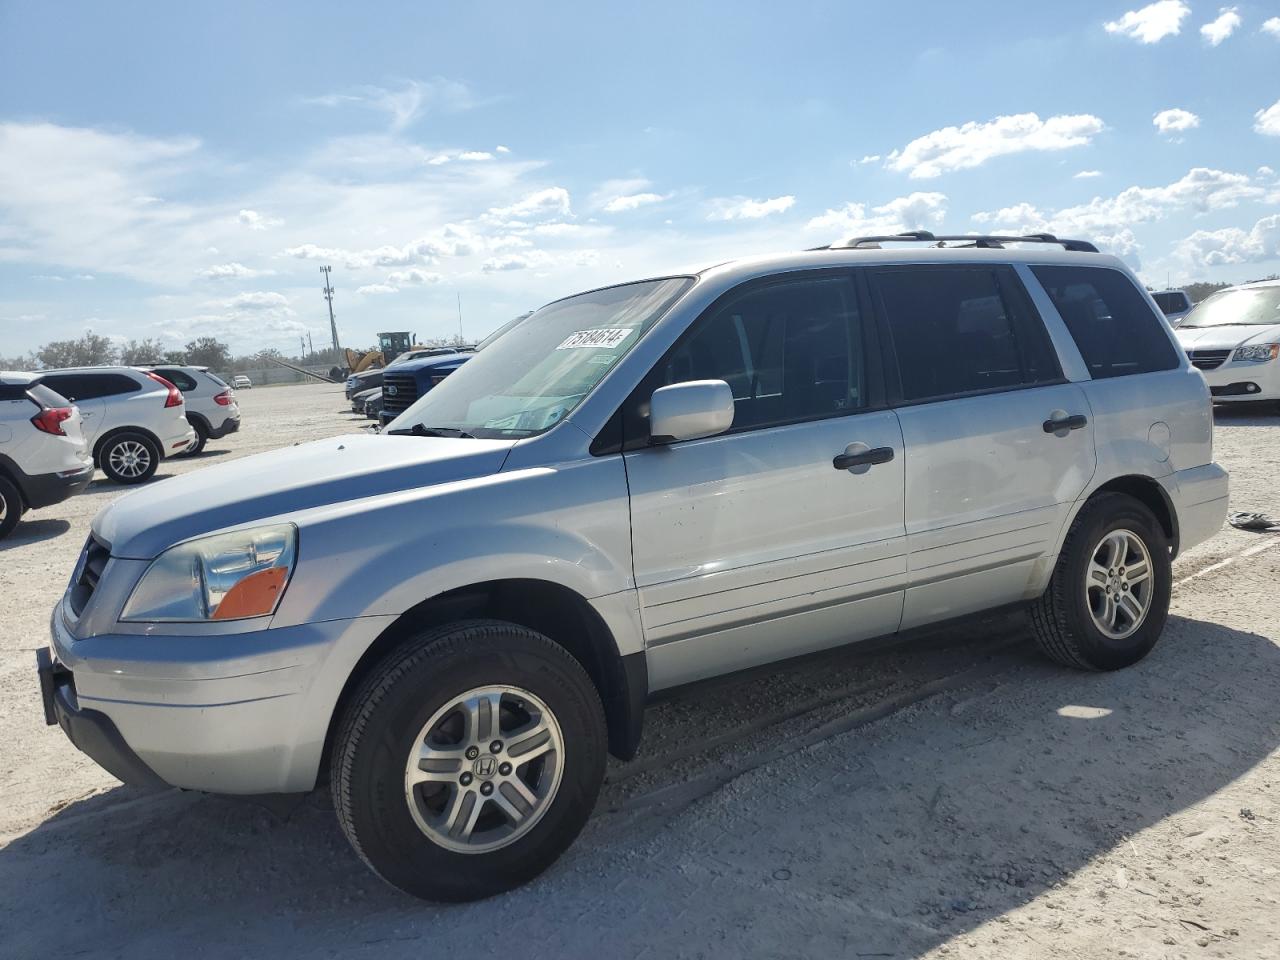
<point>998,444</point>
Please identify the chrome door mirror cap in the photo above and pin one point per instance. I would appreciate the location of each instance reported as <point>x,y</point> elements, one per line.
<point>689,411</point>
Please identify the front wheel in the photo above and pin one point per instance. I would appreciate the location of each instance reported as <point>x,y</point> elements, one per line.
<point>469,760</point>
<point>1108,599</point>
<point>129,458</point>
<point>10,506</point>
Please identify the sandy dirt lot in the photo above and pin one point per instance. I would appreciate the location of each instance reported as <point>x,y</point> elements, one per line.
<point>955,796</point>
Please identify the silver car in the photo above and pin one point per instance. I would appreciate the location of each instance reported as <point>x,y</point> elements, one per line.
<point>638,487</point>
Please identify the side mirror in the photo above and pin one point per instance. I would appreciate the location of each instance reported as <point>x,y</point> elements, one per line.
<point>687,411</point>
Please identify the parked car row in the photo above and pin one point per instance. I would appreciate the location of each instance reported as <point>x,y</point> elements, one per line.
<point>57,425</point>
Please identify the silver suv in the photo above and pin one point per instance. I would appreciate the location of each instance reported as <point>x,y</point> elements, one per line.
<point>641,486</point>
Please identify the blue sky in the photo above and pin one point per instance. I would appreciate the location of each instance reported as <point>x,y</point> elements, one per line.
<point>170,170</point>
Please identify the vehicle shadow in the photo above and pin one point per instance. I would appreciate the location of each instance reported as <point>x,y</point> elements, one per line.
<point>34,531</point>
<point>897,837</point>
<point>1246,414</point>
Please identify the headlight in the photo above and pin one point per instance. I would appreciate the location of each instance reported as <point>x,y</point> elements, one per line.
<point>1258,352</point>
<point>230,576</point>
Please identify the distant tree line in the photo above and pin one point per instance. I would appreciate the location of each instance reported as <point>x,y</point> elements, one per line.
<point>92,350</point>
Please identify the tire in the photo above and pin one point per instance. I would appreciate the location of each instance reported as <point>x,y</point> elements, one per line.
<point>202,437</point>
<point>129,458</point>
<point>402,833</point>
<point>10,506</point>
<point>1070,618</point>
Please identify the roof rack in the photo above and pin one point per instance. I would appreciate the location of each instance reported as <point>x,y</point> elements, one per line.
<point>966,240</point>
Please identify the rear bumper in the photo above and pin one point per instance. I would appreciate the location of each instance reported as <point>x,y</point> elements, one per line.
<point>46,489</point>
<point>229,425</point>
<point>1199,496</point>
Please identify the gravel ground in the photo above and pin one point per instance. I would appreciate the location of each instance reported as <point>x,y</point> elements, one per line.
<point>951,796</point>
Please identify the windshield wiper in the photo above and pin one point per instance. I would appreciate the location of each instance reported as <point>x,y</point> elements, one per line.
<point>418,430</point>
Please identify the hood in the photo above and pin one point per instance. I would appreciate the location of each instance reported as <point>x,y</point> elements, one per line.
<point>143,524</point>
<point>1226,336</point>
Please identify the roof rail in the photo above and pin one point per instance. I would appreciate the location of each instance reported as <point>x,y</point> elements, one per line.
<point>965,240</point>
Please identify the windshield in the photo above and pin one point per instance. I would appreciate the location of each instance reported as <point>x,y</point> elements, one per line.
<point>1257,306</point>
<point>530,378</point>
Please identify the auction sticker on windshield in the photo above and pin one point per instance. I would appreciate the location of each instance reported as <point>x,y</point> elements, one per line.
<point>607,337</point>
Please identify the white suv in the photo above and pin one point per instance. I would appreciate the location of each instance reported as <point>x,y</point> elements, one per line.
<point>638,487</point>
<point>212,410</point>
<point>43,456</point>
<point>132,419</point>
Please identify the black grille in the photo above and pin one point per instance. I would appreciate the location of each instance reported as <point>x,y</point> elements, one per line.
<point>92,562</point>
<point>1208,359</point>
<point>399,390</point>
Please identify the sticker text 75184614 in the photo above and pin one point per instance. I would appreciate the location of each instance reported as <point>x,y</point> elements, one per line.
<point>606,337</point>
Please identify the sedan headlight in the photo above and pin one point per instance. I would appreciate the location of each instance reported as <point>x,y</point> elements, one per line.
<point>1258,352</point>
<point>230,576</point>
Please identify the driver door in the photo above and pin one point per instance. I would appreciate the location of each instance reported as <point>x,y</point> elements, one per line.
<point>753,546</point>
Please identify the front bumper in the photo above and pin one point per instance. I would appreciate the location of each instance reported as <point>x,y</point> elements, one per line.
<point>1242,381</point>
<point>239,713</point>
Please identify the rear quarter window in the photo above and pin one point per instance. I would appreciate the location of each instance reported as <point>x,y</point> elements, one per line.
<point>181,380</point>
<point>1111,322</point>
<point>90,386</point>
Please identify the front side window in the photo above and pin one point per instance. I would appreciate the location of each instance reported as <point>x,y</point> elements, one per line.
<point>1109,319</point>
<point>1252,306</point>
<point>955,331</point>
<point>529,380</point>
<point>790,351</point>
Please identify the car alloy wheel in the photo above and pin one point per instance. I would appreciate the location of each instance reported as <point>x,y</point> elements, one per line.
<point>484,769</point>
<point>1118,584</point>
<point>129,459</point>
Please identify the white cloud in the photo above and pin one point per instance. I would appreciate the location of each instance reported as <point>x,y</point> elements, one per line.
<point>1265,171</point>
<point>404,104</point>
<point>375,288</point>
<point>256,221</point>
<point>501,149</point>
<point>259,300</point>
<point>1176,120</point>
<point>915,211</point>
<point>632,201</point>
<point>1215,31</point>
<point>1272,26</point>
<point>974,143</point>
<point>1109,220</point>
<point>475,155</point>
<point>545,204</point>
<point>745,208</point>
<point>1153,22</point>
<point>1231,245</point>
<point>1267,121</point>
<point>1087,175</point>
<point>870,158</point>
<point>232,271</point>
<point>415,276</point>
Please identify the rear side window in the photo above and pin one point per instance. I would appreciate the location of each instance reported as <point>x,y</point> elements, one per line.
<point>1110,321</point>
<point>1171,302</point>
<point>43,395</point>
<point>90,386</point>
<point>959,330</point>
<point>179,379</point>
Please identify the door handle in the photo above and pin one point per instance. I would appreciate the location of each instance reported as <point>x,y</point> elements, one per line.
<point>867,458</point>
<point>1074,422</point>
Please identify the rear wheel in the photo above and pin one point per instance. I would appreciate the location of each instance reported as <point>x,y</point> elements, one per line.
<point>1108,600</point>
<point>129,458</point>
<point>10,506</point>
<point>202,437</point>
<point>469,760</point>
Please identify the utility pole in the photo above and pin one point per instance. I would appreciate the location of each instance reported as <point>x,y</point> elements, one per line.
<point>328,295</point>
<point>460,337</point>
<point>303,347</point>
<point>310,344</point>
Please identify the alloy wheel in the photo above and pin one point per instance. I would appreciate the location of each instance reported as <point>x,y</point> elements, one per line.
<point>1118,584</point>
